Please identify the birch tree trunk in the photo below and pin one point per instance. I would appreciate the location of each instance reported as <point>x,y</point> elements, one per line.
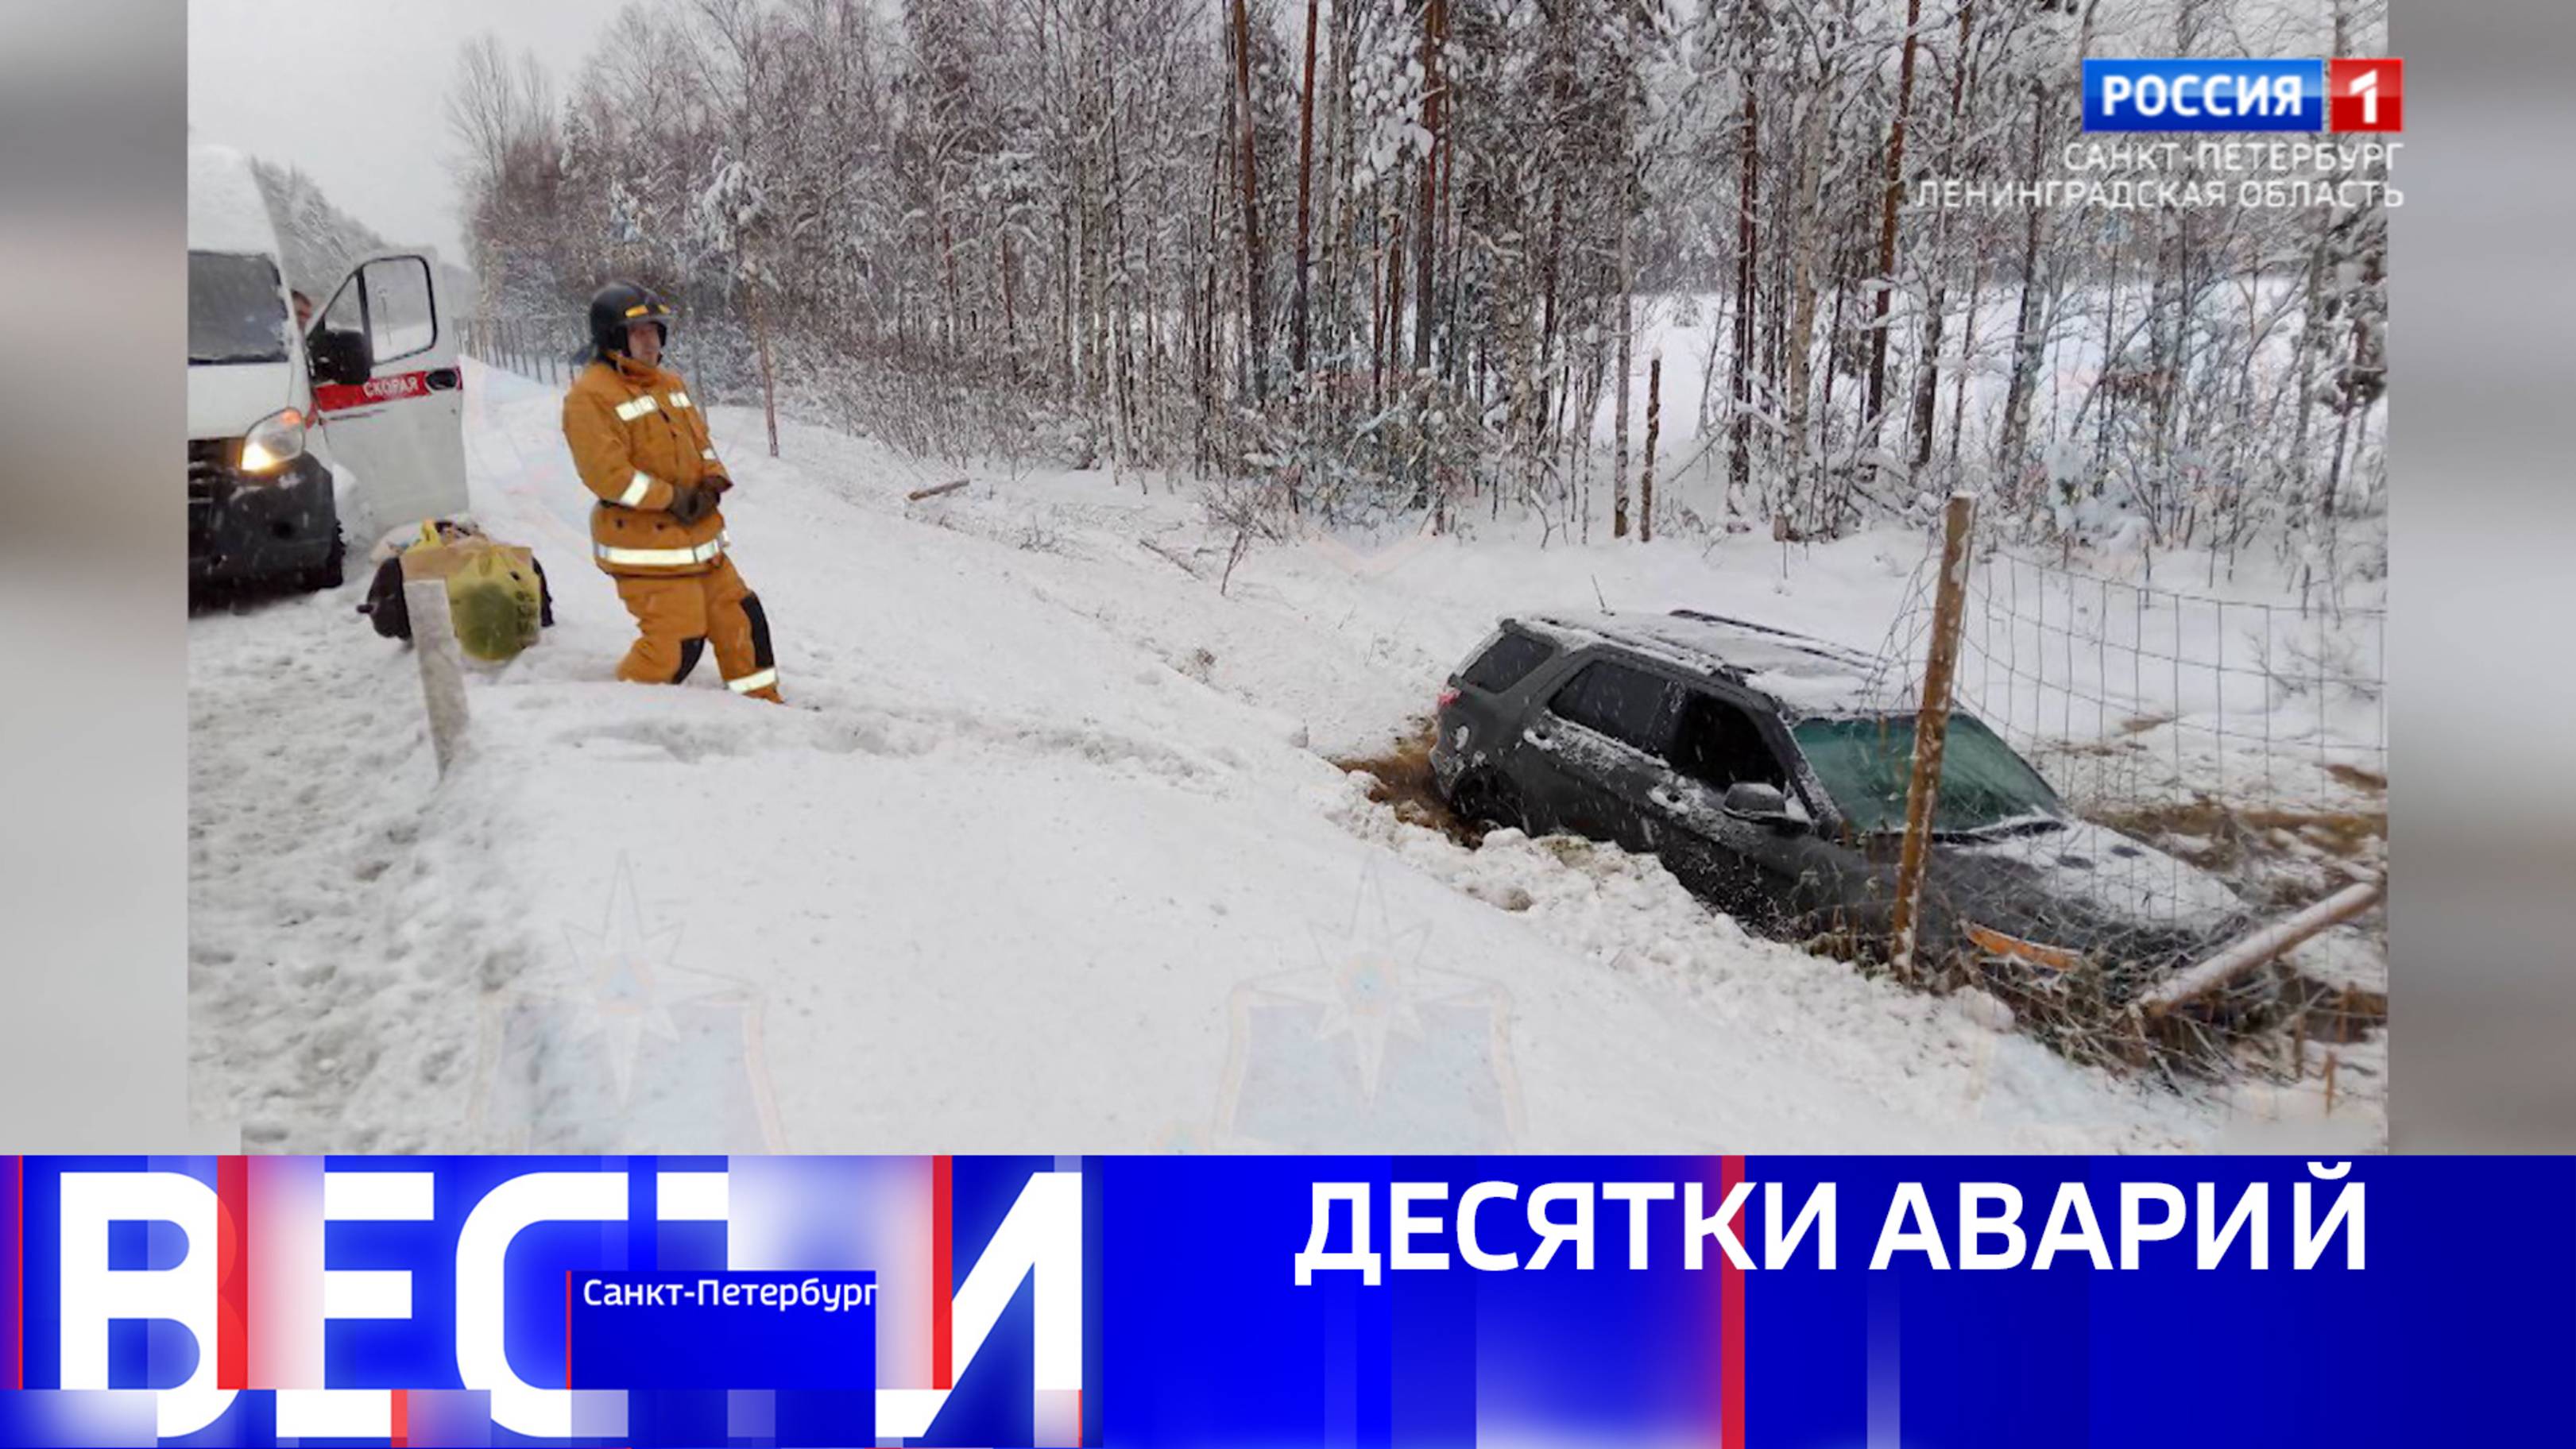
<point>1305,186</point>
<point>1739,457</point>
<point>1927,377</point>
<point>1621,302</point>
<point>1887,220</point>
<point>1255,335</point>
<point>1800,342</point>
<point>2026,338</point>
<point>1426,227</point>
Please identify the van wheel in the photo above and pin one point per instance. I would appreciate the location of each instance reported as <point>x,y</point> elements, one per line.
<point>327,573</point>
<point>1491,800</point>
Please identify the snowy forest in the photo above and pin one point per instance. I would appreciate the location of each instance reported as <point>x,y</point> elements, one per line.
<point>1353,260</point>
<point>320,242</point>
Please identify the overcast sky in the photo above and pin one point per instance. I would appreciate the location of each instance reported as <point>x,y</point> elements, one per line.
<point>350,90</point>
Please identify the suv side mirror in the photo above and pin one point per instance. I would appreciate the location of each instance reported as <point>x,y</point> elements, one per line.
<point>338,356</point>
<point>1752,800</point>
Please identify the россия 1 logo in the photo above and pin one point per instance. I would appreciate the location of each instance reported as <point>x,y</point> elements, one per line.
<point>2366,95</point>
<point>2244,95</point>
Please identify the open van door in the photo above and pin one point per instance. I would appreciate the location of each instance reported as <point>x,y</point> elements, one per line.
<point>401,430</point>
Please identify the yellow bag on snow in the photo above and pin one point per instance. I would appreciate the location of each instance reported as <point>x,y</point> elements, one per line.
<point>495,599</point>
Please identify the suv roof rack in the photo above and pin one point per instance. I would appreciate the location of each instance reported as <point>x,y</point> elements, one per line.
<point>1705,617</point>
<point>1800,671</point>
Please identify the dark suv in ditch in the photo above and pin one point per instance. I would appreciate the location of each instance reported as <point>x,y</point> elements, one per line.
<point>1749,760</point>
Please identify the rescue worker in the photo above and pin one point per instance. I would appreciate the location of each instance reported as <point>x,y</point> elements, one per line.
<point>641,444</point>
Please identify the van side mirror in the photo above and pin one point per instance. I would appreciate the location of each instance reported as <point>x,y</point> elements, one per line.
<point>338,356</point>
<point>1763,804</point>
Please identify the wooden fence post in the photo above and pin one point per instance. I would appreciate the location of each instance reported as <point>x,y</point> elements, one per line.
<point>1931,731</point>
<point>2266,943</point>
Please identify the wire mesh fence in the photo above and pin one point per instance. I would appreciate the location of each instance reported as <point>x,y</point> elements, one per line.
<point>2221,763</point>
<point>546,353</point>
<point>2131,693</point>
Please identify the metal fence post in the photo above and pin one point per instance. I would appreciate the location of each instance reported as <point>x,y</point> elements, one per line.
<point>442,667</point>
<point>1931,730</point>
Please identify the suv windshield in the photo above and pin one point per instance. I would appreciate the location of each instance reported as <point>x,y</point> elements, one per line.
<point>235,313</point>
<point>1865,764</point>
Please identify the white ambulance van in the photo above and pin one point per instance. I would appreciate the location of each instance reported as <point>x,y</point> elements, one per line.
<point>300,442</point>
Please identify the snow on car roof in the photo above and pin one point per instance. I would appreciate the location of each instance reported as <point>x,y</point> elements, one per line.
<point>1807,675</point>
<point>226,212</point>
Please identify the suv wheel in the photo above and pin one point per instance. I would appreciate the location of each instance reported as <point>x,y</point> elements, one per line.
<point>1490,799</point>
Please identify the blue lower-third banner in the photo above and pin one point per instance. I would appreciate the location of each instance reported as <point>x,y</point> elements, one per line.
<point>1268,1301</point>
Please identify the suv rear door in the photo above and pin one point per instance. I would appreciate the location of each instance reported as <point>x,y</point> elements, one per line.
<point>1498,666</point>
<point>1588,756</point>
<point>401,431</point>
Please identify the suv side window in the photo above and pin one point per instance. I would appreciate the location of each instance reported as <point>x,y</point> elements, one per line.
<point>1506,662</point>
<point>1718,744</point>
<point>1627,704</point>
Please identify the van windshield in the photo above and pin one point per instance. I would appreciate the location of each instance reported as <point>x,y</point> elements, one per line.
<point>235,310</point>
<point>1867,763</point>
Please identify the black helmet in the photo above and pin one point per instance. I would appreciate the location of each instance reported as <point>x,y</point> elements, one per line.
<point>618,306</point>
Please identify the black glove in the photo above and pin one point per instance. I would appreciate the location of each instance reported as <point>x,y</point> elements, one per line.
<point>688,504</point>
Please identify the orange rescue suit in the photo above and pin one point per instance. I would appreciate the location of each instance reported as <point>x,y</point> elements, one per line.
<point>636,435</point>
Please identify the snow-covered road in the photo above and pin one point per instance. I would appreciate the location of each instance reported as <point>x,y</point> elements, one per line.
<point>1051,856</point>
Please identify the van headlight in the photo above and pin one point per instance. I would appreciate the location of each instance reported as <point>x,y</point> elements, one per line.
<point>273,442</point>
